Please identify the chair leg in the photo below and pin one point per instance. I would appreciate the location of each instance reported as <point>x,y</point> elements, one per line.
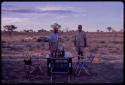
<point>28,72</point>
<point>68,78</point>
<point>86,70</point>
<point>32,69</point>
<point>77,67</point>
<point>80,67</point>
<point>51,79</point>
<point>40,68</point>
<point>51,76</point>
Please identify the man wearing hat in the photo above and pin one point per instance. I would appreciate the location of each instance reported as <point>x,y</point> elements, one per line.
<point>80,41</point>
<point>53,43</point>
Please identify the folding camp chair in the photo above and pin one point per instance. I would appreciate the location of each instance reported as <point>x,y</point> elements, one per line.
<point>82,64</point>
<point>27,66</point>
<point>30,66</point>
<point>59,66</point>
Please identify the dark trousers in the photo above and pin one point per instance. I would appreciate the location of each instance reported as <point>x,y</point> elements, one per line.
<point>79,52</point>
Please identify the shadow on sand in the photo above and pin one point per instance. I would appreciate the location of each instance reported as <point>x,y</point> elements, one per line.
<point>14,72</point>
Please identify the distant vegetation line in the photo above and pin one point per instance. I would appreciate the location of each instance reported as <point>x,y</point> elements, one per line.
<point>12,28</point>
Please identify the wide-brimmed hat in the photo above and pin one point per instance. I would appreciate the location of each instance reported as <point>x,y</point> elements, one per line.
<point>56,26</point>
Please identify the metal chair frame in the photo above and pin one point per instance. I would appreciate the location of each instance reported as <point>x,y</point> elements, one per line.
<point>52,62</point>
<point>82,64</point>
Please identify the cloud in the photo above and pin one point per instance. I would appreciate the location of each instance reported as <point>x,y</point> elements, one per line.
<point>61,17</point>
<point>20,10</point>
<point>56,8</point>
<point>72,10</point>
<point>8,6</point>
<point>42,10</point>
<point>11,20</point>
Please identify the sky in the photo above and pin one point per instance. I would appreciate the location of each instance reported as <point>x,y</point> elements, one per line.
<point>40,15</point>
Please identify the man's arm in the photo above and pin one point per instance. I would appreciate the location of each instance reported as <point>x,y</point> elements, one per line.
<point>85,39</point>
<point>49,45</point>
<point>75,40</point>
<point>85,42</point>
<point>50,42</point>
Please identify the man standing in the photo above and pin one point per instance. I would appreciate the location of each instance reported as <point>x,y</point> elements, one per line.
<point>53,42</point>
<point>80,41</point>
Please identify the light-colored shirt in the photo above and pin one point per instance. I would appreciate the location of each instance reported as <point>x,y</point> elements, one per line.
<point>80,38</point>
<point>54,40</point>
<point>54,37</point>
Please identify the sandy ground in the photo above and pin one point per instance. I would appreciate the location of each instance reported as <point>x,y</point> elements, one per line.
<point>107,66</point>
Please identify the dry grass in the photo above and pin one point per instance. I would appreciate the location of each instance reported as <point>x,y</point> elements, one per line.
<point>108,49</point>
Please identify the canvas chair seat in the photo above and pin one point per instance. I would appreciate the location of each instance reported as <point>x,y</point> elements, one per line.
<point>59,66</point>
